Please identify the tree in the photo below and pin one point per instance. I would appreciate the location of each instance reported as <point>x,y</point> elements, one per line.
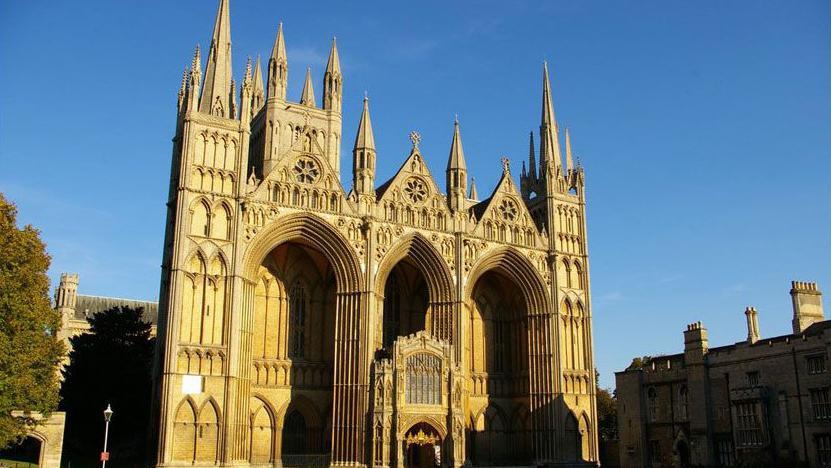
<point>606,411</point>
<point>31,351</point>
<point>110,365</point>
<point>640,362</point>
<point>606,414</point>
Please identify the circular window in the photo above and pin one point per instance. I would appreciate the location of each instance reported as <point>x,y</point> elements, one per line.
<point>306,171</point>
<point>415,190</point>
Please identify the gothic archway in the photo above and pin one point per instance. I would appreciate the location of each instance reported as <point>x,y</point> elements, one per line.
<point>303,284</point>
<point>505,289</point>
<point>421,446</point>
<point>414,265</point>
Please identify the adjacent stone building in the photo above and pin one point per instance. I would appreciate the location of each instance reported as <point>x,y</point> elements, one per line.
<point>304,323</point>
<point>76,309</point>
<point>755,401</point>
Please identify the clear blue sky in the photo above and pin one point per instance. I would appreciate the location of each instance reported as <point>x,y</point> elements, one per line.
<point>704,127</point>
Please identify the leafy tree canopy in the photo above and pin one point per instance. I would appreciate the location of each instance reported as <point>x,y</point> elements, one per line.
<point>31,351</point>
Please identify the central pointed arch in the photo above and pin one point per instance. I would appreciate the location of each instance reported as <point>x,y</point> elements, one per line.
<point>429,261</point>
<point>421,255</point>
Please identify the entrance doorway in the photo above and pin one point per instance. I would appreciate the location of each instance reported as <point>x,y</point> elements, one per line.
<point>422,447</point>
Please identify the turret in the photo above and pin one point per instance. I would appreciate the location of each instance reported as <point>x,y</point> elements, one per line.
<point>474,195</point>
<point>752,324</point>
<point>278,67</point>
<point>333,81</point>
<point>308,96</point>
<point>696,343</point>
<point>807,305</point>
<point>363,153</point>
<point>218,91</point>
<point>258,97</point>
<point>247,95</point>
<point>194,81</point>
<point>456,172</point>
<point>65,302</point>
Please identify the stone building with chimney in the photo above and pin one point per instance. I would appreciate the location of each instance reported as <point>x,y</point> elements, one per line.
<point>762,400</point>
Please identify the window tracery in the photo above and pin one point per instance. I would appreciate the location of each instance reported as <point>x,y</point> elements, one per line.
<point>306,171</point>
<point>297,315</point>
<point>424,379</point>
<point>415,190</point>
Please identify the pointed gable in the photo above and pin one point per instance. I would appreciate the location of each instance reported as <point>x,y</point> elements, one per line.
<point>412,196</point>
<point>303,177</point>
<point>503,216</point>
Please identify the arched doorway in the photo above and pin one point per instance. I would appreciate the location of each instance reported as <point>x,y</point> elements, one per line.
<point>293,347</point>
<point>422,446</point>
<point>497,357</point>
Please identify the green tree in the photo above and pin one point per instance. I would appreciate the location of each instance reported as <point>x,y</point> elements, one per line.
<point>606,411</point>
<point>31,351</point>
<point>109,365</point>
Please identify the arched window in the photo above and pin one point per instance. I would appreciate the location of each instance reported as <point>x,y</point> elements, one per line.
<point>578,275</point>
<point>297,317</point>
<point>652,404</point>
<point>682,402</point>
<point>201,220</point>
<point>392,311</point>
<point>294,433</point>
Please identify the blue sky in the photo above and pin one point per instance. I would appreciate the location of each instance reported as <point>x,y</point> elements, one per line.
<point>704,127</point>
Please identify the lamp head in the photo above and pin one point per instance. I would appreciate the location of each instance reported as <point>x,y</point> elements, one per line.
<point>108,413</point>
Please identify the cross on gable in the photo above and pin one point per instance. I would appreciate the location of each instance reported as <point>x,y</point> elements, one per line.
<point>415,137</point>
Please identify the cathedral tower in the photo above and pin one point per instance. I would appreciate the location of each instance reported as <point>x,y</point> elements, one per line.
<point>303,324</point>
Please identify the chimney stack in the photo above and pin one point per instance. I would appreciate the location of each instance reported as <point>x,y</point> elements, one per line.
<point>807,305</point>
<point>752,324</point>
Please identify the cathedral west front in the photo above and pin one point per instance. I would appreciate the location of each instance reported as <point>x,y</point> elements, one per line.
<point>305,321</point>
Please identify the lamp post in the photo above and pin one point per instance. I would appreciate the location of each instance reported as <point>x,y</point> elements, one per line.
<point>108,413</point>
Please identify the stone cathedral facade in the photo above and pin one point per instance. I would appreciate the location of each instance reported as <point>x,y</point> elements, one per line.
<point>303,322</point>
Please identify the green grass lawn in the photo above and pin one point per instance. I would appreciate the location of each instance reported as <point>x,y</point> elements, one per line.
<point>5,462</point>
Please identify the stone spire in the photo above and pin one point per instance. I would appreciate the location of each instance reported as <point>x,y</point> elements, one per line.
<point>308,96</point>
<point>569,160</point>
<point>333,81</point>
<point>278,67</point>
<point>217,93</point>
<point>549,140</point>
<point>456,171</point>
<point>194,80</point>
<point>532,160</point>
<point>474,195</point>
<point>363,166</point>
<point>259,90</point>
<point>247,95</point>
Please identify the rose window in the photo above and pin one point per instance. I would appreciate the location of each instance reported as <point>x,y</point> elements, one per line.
<point>508,209</point>
<point>306,171</point>
<point>415,190</point>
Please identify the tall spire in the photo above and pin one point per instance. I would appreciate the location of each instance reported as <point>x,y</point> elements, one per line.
<point>278,67</point>
<point>474,195</point>
<point>308,96</point>
<point>569,160</point>
<point>259,90</point>
<point>365,139</point>
<point>363,155</point>
<point>194,80</point>
<point>333,81</point>
<point>456,172</point>
<point>550,142</point>
<point>217,95</point>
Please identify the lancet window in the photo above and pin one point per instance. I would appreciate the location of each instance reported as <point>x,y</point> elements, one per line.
<point>297,315</point>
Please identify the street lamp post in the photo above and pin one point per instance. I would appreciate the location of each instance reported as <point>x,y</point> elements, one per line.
<point>108,413</point>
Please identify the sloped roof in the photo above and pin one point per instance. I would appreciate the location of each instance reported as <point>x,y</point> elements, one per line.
<point>87,306</point>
